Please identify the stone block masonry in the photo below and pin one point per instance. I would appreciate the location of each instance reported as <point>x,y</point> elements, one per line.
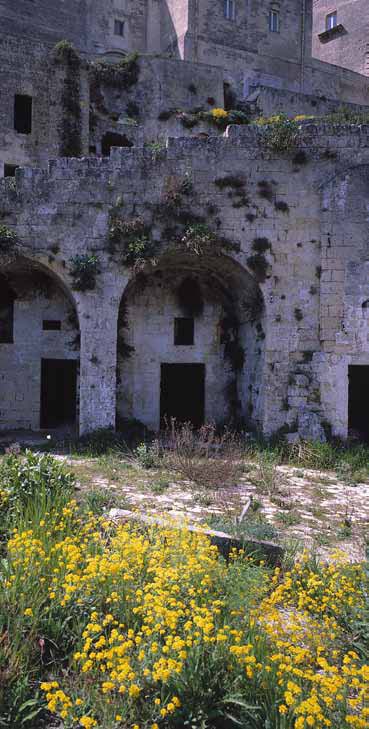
<point>284,289</point>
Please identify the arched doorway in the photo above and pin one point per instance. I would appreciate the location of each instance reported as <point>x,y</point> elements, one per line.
<point>190,343</point>
<point>39,349</point>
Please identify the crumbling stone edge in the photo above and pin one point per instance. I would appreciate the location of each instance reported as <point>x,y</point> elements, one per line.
<point>269,551</point>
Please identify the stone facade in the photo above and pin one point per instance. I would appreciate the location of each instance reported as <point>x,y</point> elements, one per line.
<point>192,57</point>
<point>301,321</point>
<point>346,44</point>
<point>138,205</point>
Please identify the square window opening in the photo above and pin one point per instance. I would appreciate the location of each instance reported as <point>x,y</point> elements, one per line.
<point>184,330</point>
<point>9,170</point>
<point>23,114</point>
<point>51,325</point>
<point>119,28</point>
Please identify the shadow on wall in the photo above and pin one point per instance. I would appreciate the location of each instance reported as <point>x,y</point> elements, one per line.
<point>189,343</point>
<point>39,348</point>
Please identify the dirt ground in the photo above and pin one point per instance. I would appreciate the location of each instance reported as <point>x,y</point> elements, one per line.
<point>313,508</point>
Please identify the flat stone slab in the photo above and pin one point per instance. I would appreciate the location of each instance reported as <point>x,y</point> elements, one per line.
<point>271,552</point>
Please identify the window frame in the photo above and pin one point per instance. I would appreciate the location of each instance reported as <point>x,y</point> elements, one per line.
<point>274,20</point>
<point>331,16</point>
<point>51,325</point>
<point>121,24</point>
<point>10,170</point>
<point>7,302</point>
<point>22,128</point>
<point>180,338</point>
<point>229,10</point>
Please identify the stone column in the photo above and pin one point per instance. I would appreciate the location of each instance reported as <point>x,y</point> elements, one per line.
<point>98,325</point>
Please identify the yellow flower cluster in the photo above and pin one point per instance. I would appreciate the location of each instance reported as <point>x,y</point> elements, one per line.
<point>303,617</point>
<point>158,608</point>
<point>219,113</point>
<point>4,498</point>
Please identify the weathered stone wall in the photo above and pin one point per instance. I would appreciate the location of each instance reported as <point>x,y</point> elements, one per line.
<point>242,53</point>
<point>37,298</point>
<point>30,68</point>
<point>88,24</point>
<point>135,16</point>
<point>313,323</point>
<point>271,101</point>
<point>349,46</point>
<point>45,21</point>
<point>164,85</point>
<point>150,330</point>
<point>246,44</point>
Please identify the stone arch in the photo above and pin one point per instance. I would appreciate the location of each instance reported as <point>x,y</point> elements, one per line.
<point>343,290</point>
<point>217,300</point>
<point>39,368</point>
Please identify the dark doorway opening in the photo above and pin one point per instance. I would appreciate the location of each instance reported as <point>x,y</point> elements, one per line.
<point>182,393</point>
<point>229,96</point>
<point>7,298</point>
<point>58,392</point>
<point>358,402</point>
<point>112,139</point>
<point>23,114</point>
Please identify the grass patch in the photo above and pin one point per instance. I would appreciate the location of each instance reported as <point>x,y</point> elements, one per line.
<point>112,627</point>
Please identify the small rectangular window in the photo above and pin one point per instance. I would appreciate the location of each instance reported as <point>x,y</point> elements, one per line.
<point>119,27</point>
<point>230,9</point>
<point>331,20</point>
<point>23,114</point>
<point>184,331</point>
<point>51,325</point>
<point>9,170</point>
<point>274,21</point>
<point>6,314</point>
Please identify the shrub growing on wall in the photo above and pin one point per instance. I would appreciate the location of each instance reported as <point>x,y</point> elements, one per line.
<point>133,239</point>
<point>199,239</point>
<point>122,76</point>
<point>71,124</point>
<point>8,239</point>
<point>279,133</point>
<point>84,271</point>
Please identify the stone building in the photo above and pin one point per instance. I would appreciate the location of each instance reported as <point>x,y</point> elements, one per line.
<point>340,33</point>
<point>155,264</point>
<point>192,55</point>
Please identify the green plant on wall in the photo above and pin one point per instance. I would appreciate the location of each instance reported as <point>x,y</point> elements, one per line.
<point>65,55</point>
<point>131,239</point>
<point>84,270</point>
<point>8,239</point>
<point>122,75</point>
<point>200,239</point>
<point>280,134</point>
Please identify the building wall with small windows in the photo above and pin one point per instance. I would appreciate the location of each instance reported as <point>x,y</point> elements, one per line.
<point>266,41</point>
<point>341,33</point>
<point>279,339</point>
<point>192,56</point>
